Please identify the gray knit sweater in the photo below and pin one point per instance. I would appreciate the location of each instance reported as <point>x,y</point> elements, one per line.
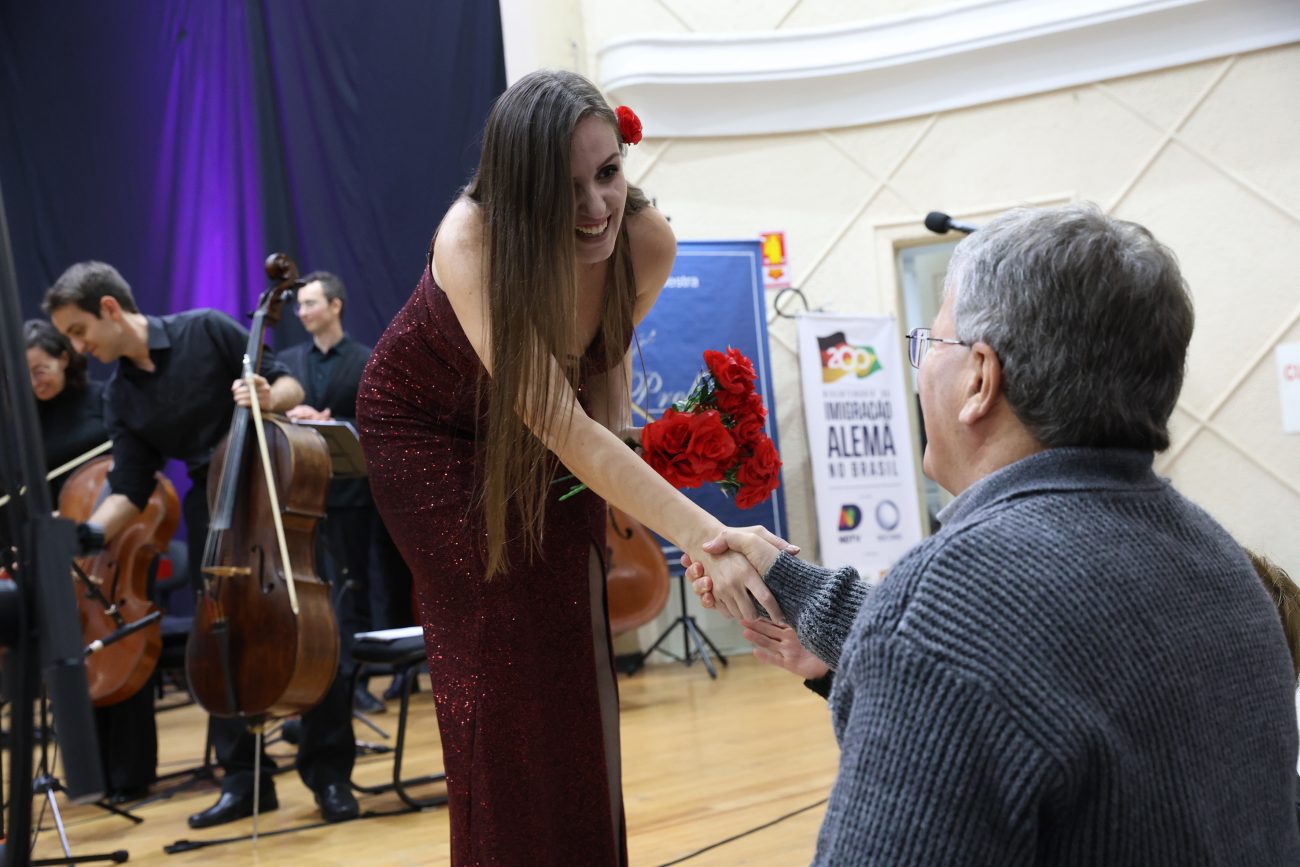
<point>1079,668</point>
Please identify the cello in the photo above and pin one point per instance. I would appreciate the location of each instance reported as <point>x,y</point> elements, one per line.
<point>113,588</point>
<point>637,576</point>
<point>264,642</point>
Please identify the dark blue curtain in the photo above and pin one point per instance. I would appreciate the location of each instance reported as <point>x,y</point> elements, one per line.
<point>183,140</point>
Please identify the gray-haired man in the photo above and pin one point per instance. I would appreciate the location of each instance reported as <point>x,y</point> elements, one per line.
<point>1081,666</point>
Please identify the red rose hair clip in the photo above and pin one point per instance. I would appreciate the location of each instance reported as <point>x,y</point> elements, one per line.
<point>629,125</point>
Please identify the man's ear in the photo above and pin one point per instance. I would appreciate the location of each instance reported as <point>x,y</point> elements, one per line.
<point>983,384</point>
<point>109,308</point>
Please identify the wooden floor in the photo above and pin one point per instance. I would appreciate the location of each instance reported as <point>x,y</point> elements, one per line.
<point>742,765</point>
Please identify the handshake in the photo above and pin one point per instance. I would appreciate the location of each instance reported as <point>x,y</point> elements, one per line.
<point>774,641</point>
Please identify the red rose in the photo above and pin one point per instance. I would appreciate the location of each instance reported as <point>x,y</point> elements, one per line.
<point>759,474</point>
<point>662,441</point>
<point>688,449</point>
<point>748,429</point>
<point>732,372</point>
<point>629,125</point>
<point>741,406</point>
<point>730,402</point>
<point>763,465</point>
<point>748,498</point>
<point>712,447</point>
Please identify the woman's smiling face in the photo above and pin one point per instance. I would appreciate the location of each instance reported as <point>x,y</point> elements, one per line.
<point>599,188</point>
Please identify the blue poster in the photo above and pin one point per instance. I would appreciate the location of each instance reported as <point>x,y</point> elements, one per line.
<point>714,299</point>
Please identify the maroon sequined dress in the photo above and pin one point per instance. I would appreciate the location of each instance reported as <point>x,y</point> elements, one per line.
<point>521,665</point>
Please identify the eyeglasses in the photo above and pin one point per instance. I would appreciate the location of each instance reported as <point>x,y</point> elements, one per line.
<point>918,344</point>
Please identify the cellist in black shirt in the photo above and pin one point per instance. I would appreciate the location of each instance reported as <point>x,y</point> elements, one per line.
<point>172,395</point>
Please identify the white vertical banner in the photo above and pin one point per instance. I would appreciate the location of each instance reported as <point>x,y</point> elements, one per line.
<point>855,401</point>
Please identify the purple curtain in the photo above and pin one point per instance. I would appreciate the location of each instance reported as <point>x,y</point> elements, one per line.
<point>205,228</point>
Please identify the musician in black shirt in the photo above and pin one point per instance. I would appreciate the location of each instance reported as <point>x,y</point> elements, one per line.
<point>329,366</point>
<point>171,397</point>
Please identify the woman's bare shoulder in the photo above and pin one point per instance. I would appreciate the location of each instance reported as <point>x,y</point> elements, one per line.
<point>457,249</point>
<point>654,249</point>
<point>651,236</point>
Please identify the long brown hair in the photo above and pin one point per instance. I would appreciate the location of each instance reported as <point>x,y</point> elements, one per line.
<point>524,189</point>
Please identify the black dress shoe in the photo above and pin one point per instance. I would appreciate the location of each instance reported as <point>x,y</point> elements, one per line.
<point>230,807</point>
<point>337,803</point>
<point>363,701</point>
<point>395,688</point>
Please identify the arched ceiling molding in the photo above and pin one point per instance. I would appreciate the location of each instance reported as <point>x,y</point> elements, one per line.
<point>747,83</point>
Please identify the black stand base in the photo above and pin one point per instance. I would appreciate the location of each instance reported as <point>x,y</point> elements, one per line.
<point>119,856</point>
<point>48,785</point>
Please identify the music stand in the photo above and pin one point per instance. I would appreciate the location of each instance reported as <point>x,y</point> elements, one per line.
<point>346,459</point>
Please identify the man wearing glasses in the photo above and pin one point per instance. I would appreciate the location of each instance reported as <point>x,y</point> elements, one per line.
<point>1080,667</point>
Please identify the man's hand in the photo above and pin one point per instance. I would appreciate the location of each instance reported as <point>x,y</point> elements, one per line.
<point>303,412</point>
<point>759,545</point>
<point>239,388</point>
<point>779,646</point>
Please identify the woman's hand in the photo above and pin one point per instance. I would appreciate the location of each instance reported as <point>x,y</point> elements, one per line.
<point>734,579</point>
<point>760,548</point>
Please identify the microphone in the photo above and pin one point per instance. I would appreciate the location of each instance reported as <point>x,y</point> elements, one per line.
<point>939,223</point>
<point>118,634</point>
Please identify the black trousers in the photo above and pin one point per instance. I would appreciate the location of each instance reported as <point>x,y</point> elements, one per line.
<point>327,749</point>
<point>372,584</point>
<point>343,557</point>
<point>128,740</point>
<point>390,586</point>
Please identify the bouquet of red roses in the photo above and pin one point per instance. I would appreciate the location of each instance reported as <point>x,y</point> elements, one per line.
<point>716,434</point>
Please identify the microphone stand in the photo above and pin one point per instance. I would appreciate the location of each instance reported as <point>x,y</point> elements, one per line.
<point>48,785</point>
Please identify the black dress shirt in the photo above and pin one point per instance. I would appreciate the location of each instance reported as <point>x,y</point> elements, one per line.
<point>322,365</point>
<point>330,381</point>
<point>183,407</point>
<point>72,423</point>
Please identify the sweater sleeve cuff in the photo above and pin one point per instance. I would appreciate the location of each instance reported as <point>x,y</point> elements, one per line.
<point>794,583</point>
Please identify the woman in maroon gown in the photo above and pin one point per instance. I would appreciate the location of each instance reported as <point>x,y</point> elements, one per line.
<point>504,371</point>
